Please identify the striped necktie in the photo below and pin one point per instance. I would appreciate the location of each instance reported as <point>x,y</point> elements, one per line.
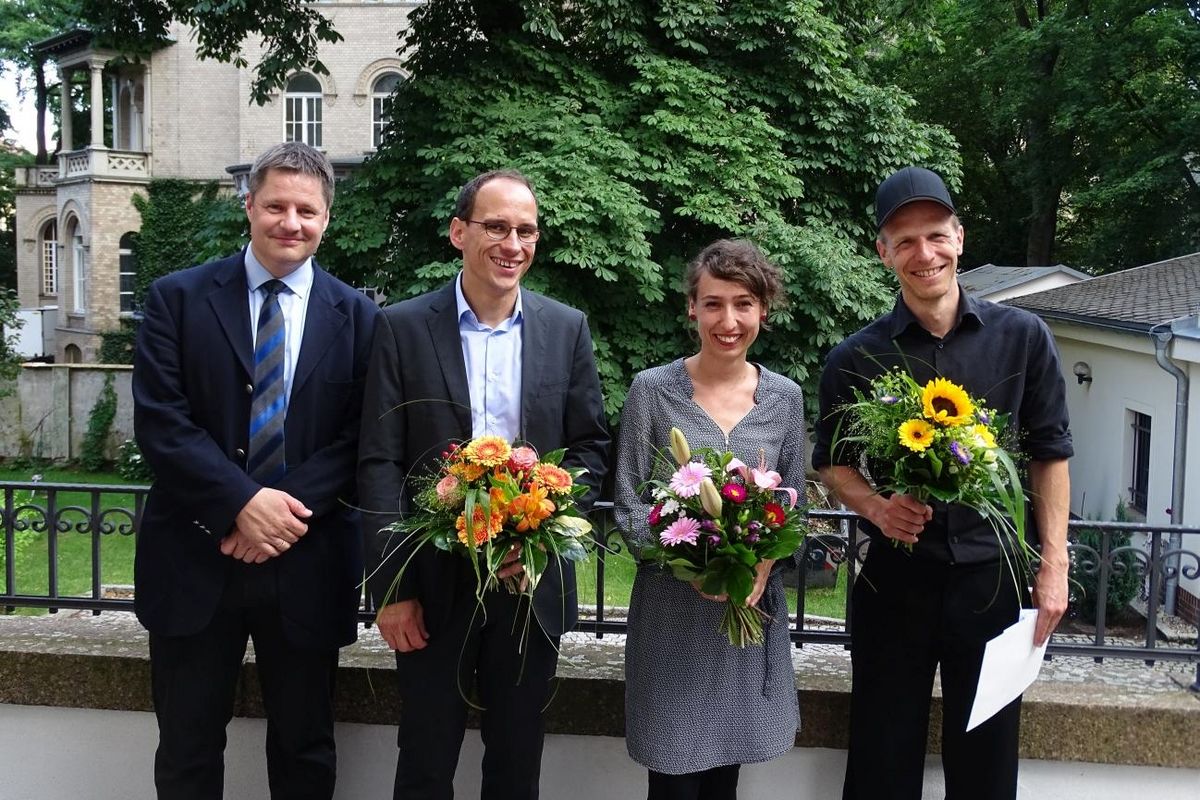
<point>268,404</point>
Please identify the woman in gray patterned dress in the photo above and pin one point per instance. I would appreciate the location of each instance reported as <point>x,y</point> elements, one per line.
<point>696,707</point>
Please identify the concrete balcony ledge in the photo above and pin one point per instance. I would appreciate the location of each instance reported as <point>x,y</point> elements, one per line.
<point>1119,712</point>
<point>104,164</point>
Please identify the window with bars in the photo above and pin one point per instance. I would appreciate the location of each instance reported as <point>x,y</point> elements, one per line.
<point>1140,485</point>
<point>49,239</point>
<point>302,110</point>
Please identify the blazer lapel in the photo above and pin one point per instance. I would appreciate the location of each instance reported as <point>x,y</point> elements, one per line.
<point>447,346</point>
<point>322,321</point>
<point>232,309</point>
<point>533,355</point>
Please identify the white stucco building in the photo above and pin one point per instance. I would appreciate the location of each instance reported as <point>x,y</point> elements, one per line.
<point>174,116</point>
<point>1118,335</point>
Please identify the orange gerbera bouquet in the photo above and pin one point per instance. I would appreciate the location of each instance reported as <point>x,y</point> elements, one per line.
<point>487,498</point>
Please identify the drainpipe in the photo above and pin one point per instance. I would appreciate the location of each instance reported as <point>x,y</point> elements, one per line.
<point>1161,339</point>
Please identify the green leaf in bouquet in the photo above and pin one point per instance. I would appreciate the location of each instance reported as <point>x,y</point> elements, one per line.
<point>572,550</point>
<point>534,559</point>
<point>739,583</point>
<point>554,457</point>
<point>683,569</point>
<point>577,527</point>
<point>935,463</point>
<point>442,542</point>
<point>782,548</point>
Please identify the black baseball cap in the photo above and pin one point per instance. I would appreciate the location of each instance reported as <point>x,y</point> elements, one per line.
<point>906,186</point>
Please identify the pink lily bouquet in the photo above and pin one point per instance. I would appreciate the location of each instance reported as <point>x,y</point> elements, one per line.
<point>716,520</point>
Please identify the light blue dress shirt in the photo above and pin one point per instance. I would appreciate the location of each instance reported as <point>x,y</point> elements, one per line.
<point>293,303</point>
<point>493,360</point>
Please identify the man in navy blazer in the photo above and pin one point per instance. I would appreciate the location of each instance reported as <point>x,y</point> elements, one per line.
<point>479,356</point>
<point>252,539</point>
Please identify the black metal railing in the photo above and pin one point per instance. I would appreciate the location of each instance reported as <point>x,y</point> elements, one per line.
<point>1100,554</point>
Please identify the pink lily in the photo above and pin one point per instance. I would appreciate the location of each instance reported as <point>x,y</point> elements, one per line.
<point>738,466</point>
<point>770,480</point>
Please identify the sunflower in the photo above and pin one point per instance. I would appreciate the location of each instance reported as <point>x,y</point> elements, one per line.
<point>946,403</point>
<point>916,435</point>
<point>490,451</point>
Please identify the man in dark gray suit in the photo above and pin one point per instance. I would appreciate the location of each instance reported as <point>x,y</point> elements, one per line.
<point>478,356</point>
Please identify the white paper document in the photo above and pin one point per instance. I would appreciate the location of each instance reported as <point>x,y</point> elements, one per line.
<point>1010,664</point>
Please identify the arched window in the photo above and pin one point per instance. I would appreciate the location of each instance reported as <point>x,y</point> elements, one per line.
<point>302,110</point>
<point>79,277</point>
<point>128,267</point>
<point>381,105</point>
<point>48,251</point>
<point>72,354</point>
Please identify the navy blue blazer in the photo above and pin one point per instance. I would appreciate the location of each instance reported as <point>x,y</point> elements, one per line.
<point>192,384</point>
<point>417,401</point>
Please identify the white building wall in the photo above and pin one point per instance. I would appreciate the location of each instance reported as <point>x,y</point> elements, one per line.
<point>1126,377</point>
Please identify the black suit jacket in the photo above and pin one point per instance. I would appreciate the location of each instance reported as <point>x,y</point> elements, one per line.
<point>192,384</point>
<point>417,402</point>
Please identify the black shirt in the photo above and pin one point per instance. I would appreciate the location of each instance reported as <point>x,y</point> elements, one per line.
<point>1003,356</point>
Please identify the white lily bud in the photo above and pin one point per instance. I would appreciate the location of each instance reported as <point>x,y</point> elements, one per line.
<point>679,447</point>
<point>710,498</point>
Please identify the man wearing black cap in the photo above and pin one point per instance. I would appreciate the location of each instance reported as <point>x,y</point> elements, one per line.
<point>938,600</point>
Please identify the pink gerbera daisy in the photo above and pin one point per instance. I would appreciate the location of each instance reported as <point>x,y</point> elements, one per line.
<point>684,529</point>
<point>687,479</point>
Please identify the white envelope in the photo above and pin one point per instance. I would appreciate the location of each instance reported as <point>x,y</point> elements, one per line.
<point>1010,664</point>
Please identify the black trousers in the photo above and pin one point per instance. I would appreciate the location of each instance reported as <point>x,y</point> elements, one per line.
<point>500,651</point>
<point>194,681</point>
<point>718,783</point>
<point>909,616</point>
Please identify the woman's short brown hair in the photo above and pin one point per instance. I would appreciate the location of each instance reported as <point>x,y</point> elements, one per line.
<point>741,262</point>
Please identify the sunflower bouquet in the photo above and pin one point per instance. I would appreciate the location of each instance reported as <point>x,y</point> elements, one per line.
<point>486,498</point>
<point>716,519</point>
<point>937,442</point>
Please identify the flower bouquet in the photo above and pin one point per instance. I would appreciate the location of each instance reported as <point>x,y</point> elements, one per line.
<point>936,441</point>
<point>716,519</point>
<point>486,498</point>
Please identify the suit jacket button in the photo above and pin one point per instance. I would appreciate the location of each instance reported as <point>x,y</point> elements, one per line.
<point>249,388</point>
<point>240,453</point>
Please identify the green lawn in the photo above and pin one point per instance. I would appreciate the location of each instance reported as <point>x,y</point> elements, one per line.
<point>619,570</point>
<point>31,565</point>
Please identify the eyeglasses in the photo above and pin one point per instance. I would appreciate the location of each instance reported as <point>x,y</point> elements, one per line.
<point>495,229</point>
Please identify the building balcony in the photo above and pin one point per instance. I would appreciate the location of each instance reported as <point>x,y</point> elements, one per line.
<point>39,176</point>
<point>100,163</point>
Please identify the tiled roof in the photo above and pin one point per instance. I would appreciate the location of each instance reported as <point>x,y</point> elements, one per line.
<point>993,277</point>
<point>1133,298</point>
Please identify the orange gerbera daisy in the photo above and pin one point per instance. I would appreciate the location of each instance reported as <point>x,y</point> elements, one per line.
<point>468,472</point>
<point>484,528</point>
<point>490,451</point>
<point>555,480</point>
<point>531,508</point>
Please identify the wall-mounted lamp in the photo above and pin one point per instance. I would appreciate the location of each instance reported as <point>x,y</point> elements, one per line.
<point>1082,371</point>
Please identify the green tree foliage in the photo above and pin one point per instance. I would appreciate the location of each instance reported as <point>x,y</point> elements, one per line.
<point>174,215</point>
<point>290,31</point>
<point>649,130</point>
<point>10,362</point>
<point>11,157</point>
<point>24,23</point>
<point>1079,124</point>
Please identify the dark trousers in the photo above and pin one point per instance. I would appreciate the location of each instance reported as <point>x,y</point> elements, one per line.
<point>194,680</point>
<point>908,617</point>
<point>503,653</point>
<point>718,783</point>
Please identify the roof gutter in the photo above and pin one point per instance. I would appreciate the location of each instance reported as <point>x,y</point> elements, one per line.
<point>1162,335</point>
